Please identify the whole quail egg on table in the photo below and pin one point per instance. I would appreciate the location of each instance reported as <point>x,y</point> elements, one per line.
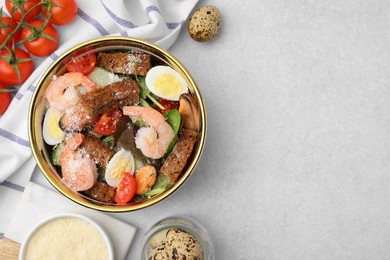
<point>204,23</point>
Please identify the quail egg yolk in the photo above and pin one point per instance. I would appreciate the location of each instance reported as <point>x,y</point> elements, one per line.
<point>168,85</point>
<point>121,162</point>
<point>121,166</point>
<point>53,127</point>
<point>52,133</point>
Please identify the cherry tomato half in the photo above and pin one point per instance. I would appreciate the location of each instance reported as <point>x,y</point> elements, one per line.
<point>126,189</point>
<point>62,11</point>
<point>40,46</point>
<point>106,125</point>
<point>26,6</point>
<point>8,74</point>
<point>5,99</point>
<point>167,104</point>
<point>84,64</point>
<point>9,26</point>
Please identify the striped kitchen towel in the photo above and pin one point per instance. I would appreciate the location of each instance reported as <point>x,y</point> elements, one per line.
<point>156,21</point>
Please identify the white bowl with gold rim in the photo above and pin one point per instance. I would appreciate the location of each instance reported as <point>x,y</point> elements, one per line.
<point>67,236</point>
<point>42,152</point>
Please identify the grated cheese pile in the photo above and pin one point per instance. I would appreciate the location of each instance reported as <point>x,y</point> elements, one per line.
<point>66,238</point>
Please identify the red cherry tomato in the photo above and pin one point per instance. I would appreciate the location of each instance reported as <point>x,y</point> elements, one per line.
<point>8,74</point>
<point>40,46</point>
<point>167,104</point>
<point>26,6</point>
<point>5,99</point>
<point>62,11</point>
<point>8,27</point>
<point>126,189</point>
<point>84,64</point>
<point>106,125</point>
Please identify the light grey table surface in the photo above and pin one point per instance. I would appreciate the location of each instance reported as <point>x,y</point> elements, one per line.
<point>297,157</point>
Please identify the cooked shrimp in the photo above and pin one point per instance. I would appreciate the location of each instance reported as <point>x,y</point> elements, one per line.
<point>64,91</point>
<point>154,139</point>
<point>145,178</point>
<point>79,172</point>
<point>76,119</point>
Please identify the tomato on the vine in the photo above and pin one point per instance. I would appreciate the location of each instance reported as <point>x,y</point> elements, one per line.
<point>126,189</point>
<point>106,125</point>
<point>9,60</point>
<point>84,64</point>
<point>16,9</point>
<point>40,45</point>
<point>8,26</point>
<point>5,99</point>
<point>62,11</point>
<point>167,104</point>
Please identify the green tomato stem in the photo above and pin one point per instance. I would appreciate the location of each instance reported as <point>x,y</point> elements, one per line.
<point>21,23</point>
<point>8,90</point>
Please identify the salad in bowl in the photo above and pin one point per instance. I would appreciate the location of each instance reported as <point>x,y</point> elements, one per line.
<point>117,124</point>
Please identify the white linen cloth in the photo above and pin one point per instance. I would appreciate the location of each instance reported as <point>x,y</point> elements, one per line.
<point>156,21</point>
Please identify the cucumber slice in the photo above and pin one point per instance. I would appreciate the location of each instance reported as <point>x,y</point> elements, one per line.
<point>56,155</point>
<point>103,77</point>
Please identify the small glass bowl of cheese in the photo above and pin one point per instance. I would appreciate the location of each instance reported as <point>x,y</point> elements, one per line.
<point>67,236</point>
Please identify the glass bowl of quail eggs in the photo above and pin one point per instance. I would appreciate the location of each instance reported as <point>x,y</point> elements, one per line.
<point>177,237</point>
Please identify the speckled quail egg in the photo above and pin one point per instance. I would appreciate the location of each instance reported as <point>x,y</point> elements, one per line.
<point>182,245</point>
<point>158,239</point>
<point>204,24</point>
<point>165,82</point>
<point>121,162</point>
<point>159,253</point>
<point>52,133</point>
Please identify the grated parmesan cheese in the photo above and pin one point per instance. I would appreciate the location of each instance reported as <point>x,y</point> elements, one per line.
<point>132,60</point>
<point>66,238</point>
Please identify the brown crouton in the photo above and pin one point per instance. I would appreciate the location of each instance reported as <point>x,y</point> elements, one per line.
<point>94,103</point>
<point>177,159</point>
<point>97,149</point>
<point>118,94</point>
<point>101,191</point>
<point>125,63</point>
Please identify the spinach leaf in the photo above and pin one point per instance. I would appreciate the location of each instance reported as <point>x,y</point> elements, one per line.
<point>163,183</point>
<point>174,119</point>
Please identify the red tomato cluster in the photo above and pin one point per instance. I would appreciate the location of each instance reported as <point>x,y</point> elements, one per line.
<point>31,24</point>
